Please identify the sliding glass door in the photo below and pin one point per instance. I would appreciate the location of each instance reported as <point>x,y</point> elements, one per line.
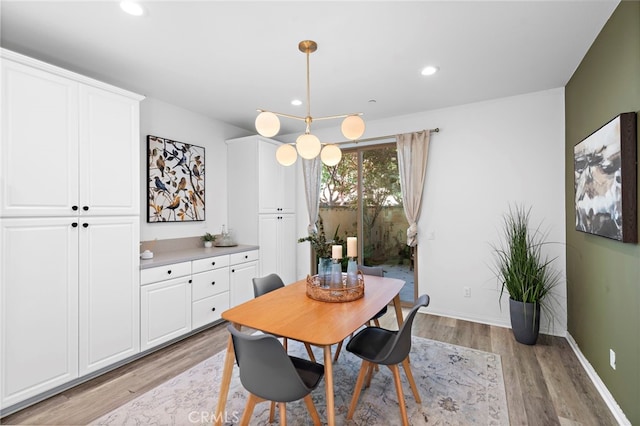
<point>361,197</point>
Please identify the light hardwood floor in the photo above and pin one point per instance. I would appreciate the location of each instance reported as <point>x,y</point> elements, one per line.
<point>545,383</point>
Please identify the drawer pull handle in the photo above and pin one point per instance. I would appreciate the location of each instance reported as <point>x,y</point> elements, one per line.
<point>190,281</point>
<point>169,272</point>
<point>213,283</point>
<point>74,224</point>
<point>85,225</point>
<point>233,270</point>
<point>74,208</point>
<point>85,208</point>
<point>246,257</point>
<point>213,263</point>
<point>213,309</point>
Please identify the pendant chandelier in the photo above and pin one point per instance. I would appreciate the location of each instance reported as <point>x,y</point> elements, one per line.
<point>307,145</point>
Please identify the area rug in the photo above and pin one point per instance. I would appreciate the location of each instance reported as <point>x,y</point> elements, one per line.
<point>458,386</point>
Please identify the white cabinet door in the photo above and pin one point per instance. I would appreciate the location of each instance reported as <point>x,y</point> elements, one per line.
<point>109,153</point>
<point>165,311</point>
<point>277,243</point>
<point>269,178</point>
<point>286,248</point>
<point>276,182</point>
<point>241,282</point>
<point>39,162</point>
<point>38,306</point>
<point>109,291</point>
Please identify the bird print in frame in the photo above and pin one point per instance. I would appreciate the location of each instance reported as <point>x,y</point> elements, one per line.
<point>175,181</point>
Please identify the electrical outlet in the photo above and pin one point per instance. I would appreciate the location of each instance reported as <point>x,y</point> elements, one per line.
<point>467,292</point>
<point>612,359</point>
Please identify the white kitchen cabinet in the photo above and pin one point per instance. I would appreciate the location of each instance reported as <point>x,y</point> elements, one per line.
<point>39,306</point>
<point>70,144</point>
<point>278,256</point>
<point>108,292</point>
<point>165,311</point>
<point>69,212</point>
<point>261,203</point>
<point>242,269</point>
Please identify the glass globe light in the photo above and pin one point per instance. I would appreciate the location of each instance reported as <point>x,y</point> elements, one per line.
<point>331,155</point>
<point>267,124</point>
<point>308,146</point>
<point>352,127</point>
<point>286,154</point>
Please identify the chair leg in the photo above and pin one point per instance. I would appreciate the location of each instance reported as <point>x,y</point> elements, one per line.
<point>248,409</point>
<point>337,354</point>
<point>414,388</point>
<point>312,410</point>
<point>358,388</point>
<point>376,322</point>
<point>372,368</point>
<point>285,343</point>
<point>283,413</point>
<point>272,412</point>
<point>310,352</point>
<point>396,378</point>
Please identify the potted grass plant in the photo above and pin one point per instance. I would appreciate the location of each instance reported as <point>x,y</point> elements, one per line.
<point>524,273</point>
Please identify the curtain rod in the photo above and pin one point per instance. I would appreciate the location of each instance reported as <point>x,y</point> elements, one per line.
<point>377,138</point>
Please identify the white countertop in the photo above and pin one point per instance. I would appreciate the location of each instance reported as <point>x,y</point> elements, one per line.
<point>188,254</point>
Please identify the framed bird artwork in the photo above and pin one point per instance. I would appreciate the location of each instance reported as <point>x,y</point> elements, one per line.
<point>175,181</point>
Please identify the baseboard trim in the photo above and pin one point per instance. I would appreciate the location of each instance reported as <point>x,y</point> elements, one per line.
<point>598,383</point>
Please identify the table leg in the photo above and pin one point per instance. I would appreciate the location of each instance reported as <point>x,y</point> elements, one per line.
<point>229,359</point>
<point>398,305</point>
<point>328,380</point>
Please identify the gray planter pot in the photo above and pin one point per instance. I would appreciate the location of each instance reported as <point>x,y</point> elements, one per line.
<point>525,321</point>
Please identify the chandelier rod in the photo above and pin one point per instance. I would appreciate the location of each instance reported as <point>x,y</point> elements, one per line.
<point>377,138</point>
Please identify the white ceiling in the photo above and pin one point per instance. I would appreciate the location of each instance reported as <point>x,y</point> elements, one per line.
<point>224,59</point>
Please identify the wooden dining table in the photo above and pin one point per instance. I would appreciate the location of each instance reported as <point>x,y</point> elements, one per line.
<point>289,312</point>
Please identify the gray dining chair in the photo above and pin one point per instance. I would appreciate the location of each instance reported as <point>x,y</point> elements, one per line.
<point>267,284</point>
<point>375,345</point>
<point>269,374</point>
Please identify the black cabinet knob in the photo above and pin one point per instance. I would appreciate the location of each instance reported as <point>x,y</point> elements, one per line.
<point>74,208</point>
<point>74,224</point>
<point>213,283</point>
<point>85,208</point>
<point>213,263</point>
<point>169,272</point>
<point>246,256</point>
<point>233,270</point>
<point>213,309</point>
<point>85,225</point>
<point>190,281</point>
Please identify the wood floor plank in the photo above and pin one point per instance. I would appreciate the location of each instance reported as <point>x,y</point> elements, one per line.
<point>545,383</point>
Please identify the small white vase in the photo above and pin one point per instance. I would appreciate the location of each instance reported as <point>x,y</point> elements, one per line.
<point>208,244</point>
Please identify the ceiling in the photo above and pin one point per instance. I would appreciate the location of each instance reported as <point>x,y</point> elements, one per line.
<point>225,59</point>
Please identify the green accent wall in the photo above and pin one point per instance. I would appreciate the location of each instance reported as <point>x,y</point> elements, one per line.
<point>603,275</point>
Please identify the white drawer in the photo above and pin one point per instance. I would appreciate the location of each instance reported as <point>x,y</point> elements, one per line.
<point>206,284</point>
<point>209,263</point>
<point>160,273</point>
<point>207,310</point>
<point>245,256</point>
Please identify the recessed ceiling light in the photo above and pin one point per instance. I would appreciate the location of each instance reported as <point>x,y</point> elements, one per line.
<point>132,8</point>
<point>296,102</point>
<point>429,70</point>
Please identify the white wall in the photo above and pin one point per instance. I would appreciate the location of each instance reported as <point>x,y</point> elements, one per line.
<point>169,121</point>
<point>487,156</point>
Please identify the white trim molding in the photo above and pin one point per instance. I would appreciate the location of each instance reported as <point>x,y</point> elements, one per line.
<point>599,384</point>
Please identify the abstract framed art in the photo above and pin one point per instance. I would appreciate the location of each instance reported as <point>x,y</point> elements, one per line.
<point>605,180</point>
<point>175,181</point>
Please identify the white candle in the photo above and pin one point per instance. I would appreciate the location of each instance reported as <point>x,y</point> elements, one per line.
<point>336,252</point>
<point>352,247</point>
